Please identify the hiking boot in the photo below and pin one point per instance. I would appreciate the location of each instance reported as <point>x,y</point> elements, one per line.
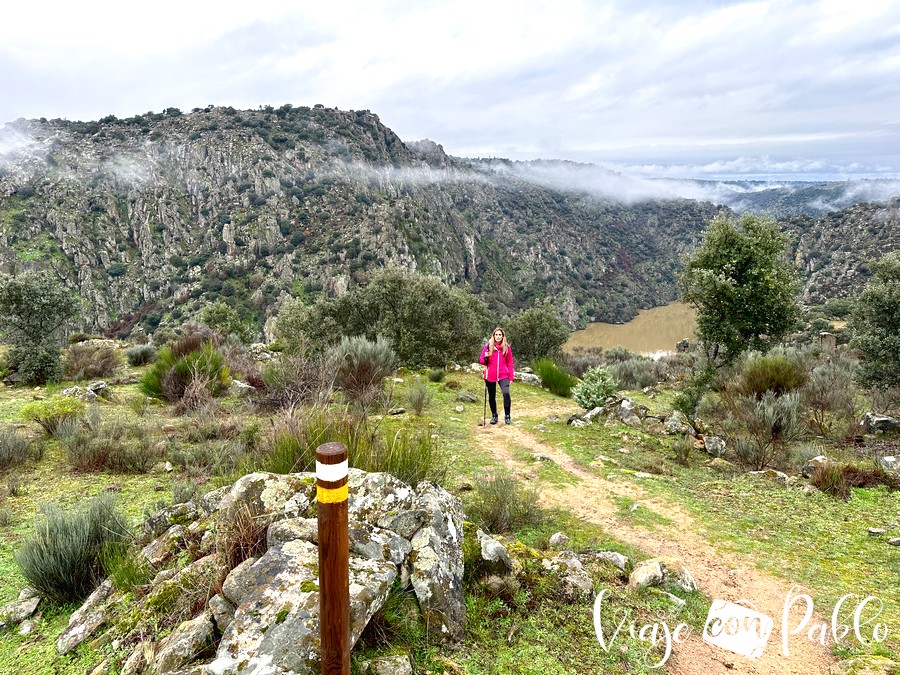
<point>507,419</point>
<point>493,419</point>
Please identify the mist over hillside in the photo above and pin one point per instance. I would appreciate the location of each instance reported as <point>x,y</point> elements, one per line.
<point>153,216</point>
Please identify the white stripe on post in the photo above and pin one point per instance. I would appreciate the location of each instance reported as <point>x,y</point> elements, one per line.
<point>332,472</point>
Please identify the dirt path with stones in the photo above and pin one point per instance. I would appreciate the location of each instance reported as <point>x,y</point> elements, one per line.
<point>720,575</point>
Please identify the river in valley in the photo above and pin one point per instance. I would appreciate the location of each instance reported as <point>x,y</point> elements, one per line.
<point>650,332</point>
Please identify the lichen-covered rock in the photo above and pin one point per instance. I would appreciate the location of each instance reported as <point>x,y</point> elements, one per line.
<point>714,445</point>
<point>494,558</point>
<point>277,622</point>
<point>404,523</point>
<point>164,548</point>
<point>162,520</point>
<point>574,579</point>
<point>613,558</point>
<point>678,423</point>
<point>209,503</point>
<point>290,529</point>
<point>189,587</point>
<point>558,541</point>
<point>372,495</point>
<point>86,619</point>
<point>240,581</point>
<point>222,611</point>
<point>17,611</point>
<point>437,566</point>
<point>387,665</point>
<point>872,423</point>
<point>369,541</point>
<point>190,641</point>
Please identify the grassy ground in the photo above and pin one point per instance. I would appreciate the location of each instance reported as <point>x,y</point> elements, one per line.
<point>803,538</point>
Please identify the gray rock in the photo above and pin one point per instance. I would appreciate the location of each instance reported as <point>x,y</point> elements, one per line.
<point>189,641</point>
<point>77,392</point>
<point>240,581</point>
<point>239,389</point>
<point>579,423</point>
<point>872,423</point>
<point>27,593</point>
<point>387,665</point>
<point>574,579</point>
<point>500,587</point>
<point>779,476</point>
<point>222,611</point>
<point>437,565</point>
<point>369,541</point>
<point>814,463</point>
<point>164,548</point>
<point>877,531</point>
<point>460,408</point>
<point>659,571</point>
<point>405,523</point>
<point>290,529</point>
<point>17,611</point>
<point>529,378</point>
<point>86,619</point>
<point>27,627</point>
<point>539,427</point>
<point>591,414</point>
<point>558,540</point>
<point>210,502</point>
<point>894,541</point>
<point>614,558</point>
<point>374,494</point>
<point>466,397</point>
<point>162,520</point>
<point>714,445</point>
<point>396,411</point>
<point>677,423</point>
<point>494,557</point>
<point>276,625</point>
<point>890,463</point>
<point>646,573</point>
<point>98,387</point>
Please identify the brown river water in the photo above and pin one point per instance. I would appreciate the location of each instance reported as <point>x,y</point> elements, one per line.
<point>651,331</point>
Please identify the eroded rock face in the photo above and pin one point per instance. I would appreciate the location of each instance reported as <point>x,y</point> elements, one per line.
<point>85,620</point>
<point>192,639</point>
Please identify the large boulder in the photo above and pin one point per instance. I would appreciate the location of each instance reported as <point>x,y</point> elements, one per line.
<point>677,423</point>
<point>276,624</point>
<point>191,640</point>
<point>872,423</point>
<point>437,563</point>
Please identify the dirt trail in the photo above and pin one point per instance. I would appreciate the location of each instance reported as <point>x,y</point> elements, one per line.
<point>720,575</point>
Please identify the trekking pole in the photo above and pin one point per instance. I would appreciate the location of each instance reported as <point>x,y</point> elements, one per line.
<point>484,412</point>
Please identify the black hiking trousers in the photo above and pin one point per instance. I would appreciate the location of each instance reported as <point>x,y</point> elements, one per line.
<point>492,396</point>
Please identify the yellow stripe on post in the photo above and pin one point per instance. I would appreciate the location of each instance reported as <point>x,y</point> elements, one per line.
<point>332,495</point>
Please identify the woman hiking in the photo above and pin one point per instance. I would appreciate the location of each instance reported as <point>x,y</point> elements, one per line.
<point>497,359</point>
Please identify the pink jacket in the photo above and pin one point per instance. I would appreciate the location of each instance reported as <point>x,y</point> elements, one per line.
<point>499,367</point>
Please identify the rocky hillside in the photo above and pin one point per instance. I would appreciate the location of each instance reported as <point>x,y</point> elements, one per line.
<point>151,216</point>
<point>834,250</point>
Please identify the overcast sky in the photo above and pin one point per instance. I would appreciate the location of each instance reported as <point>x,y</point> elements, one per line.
<point>685,89</point>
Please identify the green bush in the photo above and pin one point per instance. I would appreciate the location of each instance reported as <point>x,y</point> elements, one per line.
<point>436,375</point>
<point>14,448</point>
<point>775,372</point>
<point>107,445</point>
<point>35,365</point>
<point>294,379</point>
<point>634,373</point>
<point>536,332</point>
<point>593,391</point>
<point>89,360</point>
<point>830,398</point>
<point>53,412</point>
<point>618,354</point>
<point>502,504</point>
<point>554,378</point>
<point>582,359</point>
<point>226,321</point>
<point>771,421</point>
<point>362,365</point>
<point>172,374</point>
<point>418,396</point>
<point>62,559</point>
<point>140,355</point>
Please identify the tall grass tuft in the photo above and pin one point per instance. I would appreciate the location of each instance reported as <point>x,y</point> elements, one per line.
<point>362,366</point>
<point>14,448</point>
<point>554,378</point>
<point>501,504</point>
<point>140,355</point>
<point>90,360</point>
<point>62,559</point>
<point>436,375</point>
<point>418,396</point>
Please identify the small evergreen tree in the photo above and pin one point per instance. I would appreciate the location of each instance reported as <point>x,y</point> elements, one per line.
<point>875,325</point>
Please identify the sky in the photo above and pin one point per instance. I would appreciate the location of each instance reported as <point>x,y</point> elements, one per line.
<point>693,89</point>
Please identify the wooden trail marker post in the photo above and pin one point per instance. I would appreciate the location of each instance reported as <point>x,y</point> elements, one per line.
<point>332,468</point>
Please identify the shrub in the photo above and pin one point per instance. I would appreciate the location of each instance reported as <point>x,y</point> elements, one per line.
<point>830,397</point>
<point>89,360</point>
<point>683,447</point>
<point>171,374</point>
<point>436,375</point>
<point>634,373</point>
<point>107,445</point>
<point>226,321</point>
<point>829,478</point>
<point>418,396</point>
<point>140,355</point>
<point>582,359</point>
<point>502,504</point>
<point>294,379</point>
<point>776,372</point>
<point>617,354</point>
<point>771,421</point>
<point>362,365</point>
<point>62,559</point>
<point>594,389</point>
<point>536,332</point>
<point>53,412</point>
<point>35,365</point>
<point>14,448</point>
<point>554,378</point>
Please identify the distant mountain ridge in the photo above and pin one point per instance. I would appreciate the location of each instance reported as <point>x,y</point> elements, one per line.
<point>152,216</point>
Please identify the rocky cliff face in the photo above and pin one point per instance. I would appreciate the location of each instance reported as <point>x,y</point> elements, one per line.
<point>150,217</point>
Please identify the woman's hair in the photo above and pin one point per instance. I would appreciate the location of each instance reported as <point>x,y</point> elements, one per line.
<point>504,346</point>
